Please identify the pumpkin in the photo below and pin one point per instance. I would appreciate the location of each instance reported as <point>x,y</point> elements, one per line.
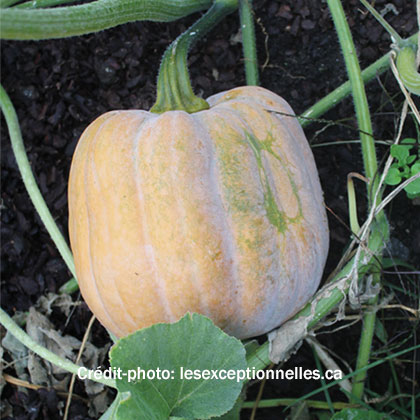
<point>218,212</point>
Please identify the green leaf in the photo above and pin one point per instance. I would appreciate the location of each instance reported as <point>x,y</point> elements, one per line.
<point>360,414</point>
<point>413,196</point>
<point>411,159</point>
<point>415,169</point>
<point>380,331</point>
<point>393,177</point>
<point>323,415</point>
<point>408,141</point>
<point>234,413</point>
<point>413,188</point>
<point>400,152</point>
<point>191,346</point>
<point>111,412</point>
<point>395,262</point>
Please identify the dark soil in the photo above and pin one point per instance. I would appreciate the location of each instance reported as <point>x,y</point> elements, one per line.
<point>58,87</point>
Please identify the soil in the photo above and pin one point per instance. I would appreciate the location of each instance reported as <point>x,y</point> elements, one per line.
<point>59,86</point>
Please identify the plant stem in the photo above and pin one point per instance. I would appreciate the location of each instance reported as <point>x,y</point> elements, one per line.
<point>38,4</point>
<point>30,182</point>
<point>62,22</point>
<point>7,3</point>
<point>365,344</point>
<point>328,405</point>
<point>392,32</point>
<point>407,69</point>
<point>41,351</point>
<point>248,42</point>
<point>371,167</point>
<point>350,375</point>
<point>358,90</point>
<point>338,94</point>
<point>174,91</point>
<point>69,287</point>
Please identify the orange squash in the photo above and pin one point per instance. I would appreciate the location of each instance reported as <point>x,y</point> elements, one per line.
<point>218,212</point>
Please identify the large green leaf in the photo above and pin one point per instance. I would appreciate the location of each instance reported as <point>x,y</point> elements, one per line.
<point>193,344</point>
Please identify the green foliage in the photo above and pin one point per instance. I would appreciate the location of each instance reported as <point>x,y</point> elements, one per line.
<point>380,331</point>
<point>194,343</point>
<point>407,164</point>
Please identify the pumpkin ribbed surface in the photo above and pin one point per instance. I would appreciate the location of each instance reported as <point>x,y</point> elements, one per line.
<point>218,212</point>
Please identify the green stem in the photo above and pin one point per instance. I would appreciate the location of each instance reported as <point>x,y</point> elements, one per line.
<point>7,3</point>
<point>30,182</point>
<point>62,22</point>
<point>38,4</point>
<point>248,42</point>
<point>41,351</point>
<point>350,375</point>
<point>337,95</point>
<point>406,61</point>
<point>371,167</point>
<point>407,69</point>
<point>358,90</point>
<point>174,91</point>
<point>365,345</point>
<point>396,383</point>
<point>69,286</point>
<point>392,32</point>
<point>328,404</point>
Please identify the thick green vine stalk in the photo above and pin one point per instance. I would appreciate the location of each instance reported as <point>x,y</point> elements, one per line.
<point>30,182</point>
<point>248,42</point>
<point>46,354</point>
<point>371,168</point>
<point>338,94</point>
<point>358,90</point>
<point>7,3</point>
<point>174,91</point>
<point>62,22</point>
<point>407,69</point>
<point>38,4</point>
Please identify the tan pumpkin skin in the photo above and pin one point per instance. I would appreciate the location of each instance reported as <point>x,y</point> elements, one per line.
<point>218,212</point>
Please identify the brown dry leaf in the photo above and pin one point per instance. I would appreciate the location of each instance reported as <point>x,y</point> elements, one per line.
<point>38,371</point>
<point>100,403</point>
<point>44,373</point>
<point>63,301</point>
<point>286,340</point>
<point>18,352</point>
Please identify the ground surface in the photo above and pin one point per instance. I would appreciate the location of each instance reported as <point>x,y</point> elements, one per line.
<point>59,86</point>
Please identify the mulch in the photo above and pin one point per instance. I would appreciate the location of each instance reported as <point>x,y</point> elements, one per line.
<point>59,86</point>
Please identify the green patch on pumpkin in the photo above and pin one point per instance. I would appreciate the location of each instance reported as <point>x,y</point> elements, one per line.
<point>275,216</point>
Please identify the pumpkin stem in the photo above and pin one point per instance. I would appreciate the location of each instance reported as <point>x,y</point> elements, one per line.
<point>174,91</point>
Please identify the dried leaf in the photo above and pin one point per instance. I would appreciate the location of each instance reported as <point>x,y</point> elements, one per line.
<point>287,339</point>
